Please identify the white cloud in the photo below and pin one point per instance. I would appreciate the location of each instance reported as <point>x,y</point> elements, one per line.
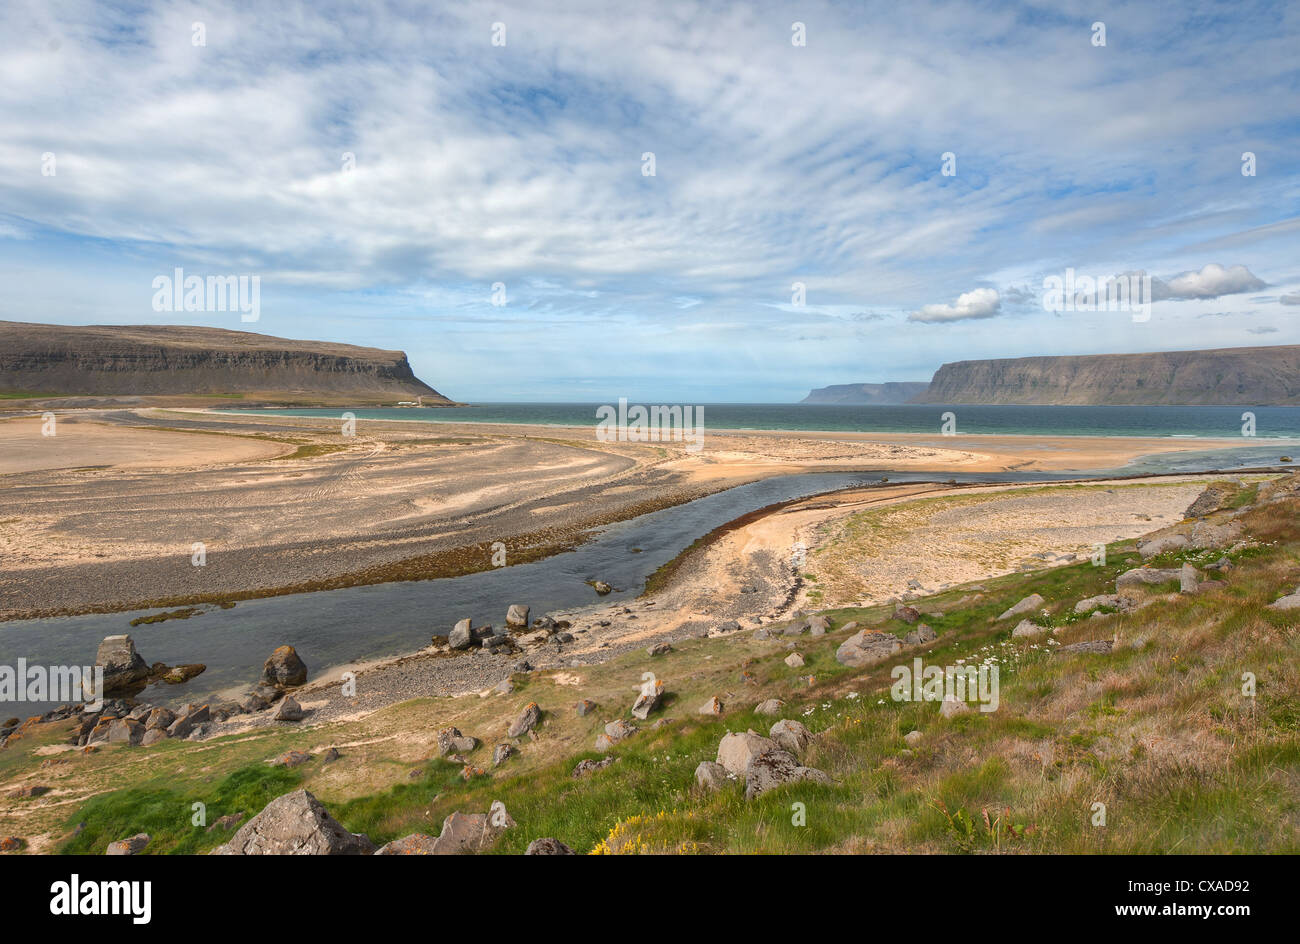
<point>1212,281</point>
<point>1292,299</point>
<point>980,303</point>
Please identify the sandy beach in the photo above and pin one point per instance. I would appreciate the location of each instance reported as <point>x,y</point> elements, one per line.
<point>104,516</point>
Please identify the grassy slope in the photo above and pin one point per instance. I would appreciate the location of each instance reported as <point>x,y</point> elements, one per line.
<point>1158,731</point>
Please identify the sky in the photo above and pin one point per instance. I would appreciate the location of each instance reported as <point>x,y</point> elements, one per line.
<point>678,202</point>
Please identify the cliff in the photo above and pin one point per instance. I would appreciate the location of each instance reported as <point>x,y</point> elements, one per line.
<point>146,360</point>
<point>868,393</point>
<point>1242,376</point>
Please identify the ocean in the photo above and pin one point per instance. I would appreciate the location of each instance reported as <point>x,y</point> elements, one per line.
<point>1193,422</point>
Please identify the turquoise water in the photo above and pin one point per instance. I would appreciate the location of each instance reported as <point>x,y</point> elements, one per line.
<point>1181,421</point>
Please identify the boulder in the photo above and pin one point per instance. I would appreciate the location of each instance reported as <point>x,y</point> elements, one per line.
<point>291,759</point>
<point>451,741</point>
<point>284,668</point>
<point>818,625</point>
<point>153,736</point>
<point>1031,602</point>
<point>183,673</point>
<point>1161,543</point>
<point>652,694</point>
<point>585,707</point>
<point>619,730</point>
<point>124,669</point>
<point>502,753</point>
<point>659,649</point>
<point>414,844</point>
<point>461,635</point>
<point>289,710</point>
<point>1111,600</point>
<point>776,768</point>
<point>794,660</point>
<point>1098,646</point>
<point>735,751</point>
<point>913,738</point>
<point>128,846</point>
<point>771,706</point>
<point>1289,602</point>
<point>791,736</point>
<point>1146,577</point>
<point>525,721</point>
<point>591,766</point>
<point>548,846</point>
<point>1189,580</point>
<point>471,832</point>
<point>125,731</point>
<point>867,647</point>
<point>950,707</point>
<point>712,776</point>
<point>517,616</point>
<point>1028,628</point>
<point>922,634</point>
<point>601,587</point>
<point>908,614</point>
<point>711,707</point>
<point>295,824</point>
<point>159,718</point>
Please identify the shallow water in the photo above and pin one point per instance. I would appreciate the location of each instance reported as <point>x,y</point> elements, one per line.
<point>336,627</point>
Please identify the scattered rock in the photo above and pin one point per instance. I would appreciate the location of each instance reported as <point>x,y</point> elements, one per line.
<point>124,669</point>
<point>867,647</point>
<point>775,768</point>
<point>289,710</point>
<point>913,738</point>
<point>1100,646</point>
<point>502,753</point>
<point>652,694</point>
<point>1161,543</point>
<point>525,721</point>
<point>908,614</point>
<point>1028,628</point>
<point>291,759</point>
<point>586,707</point>
<point>591,766</point>
<point>451,741</point>
<point>950,707</point>
<point>712,707</point>
<point>601,587</point>
<point>619,730</point>
<point>794,660</point>
<point>548,846</point>
<point>1289,602</point>
<point>517,616</point>
<point>1111,600</point>
<point>228,822</point>
<point>659,649</point>
<point>711,776</point>
<point>1146,577</point>
<point>1031,602</point>
<point>791,736</point>
<point>129,846</point>
<point>922,634</point>
<point>1189,581</point>
<point>295,824</point>
<point>183,673</point>
<point>284,668</point>
<point>12,844</point>
<point>735,751</point>
<point>818,625</point>
<point>771,706</point>
<point>414,844</point>
<point>461,635</point>
<point>31,791</point>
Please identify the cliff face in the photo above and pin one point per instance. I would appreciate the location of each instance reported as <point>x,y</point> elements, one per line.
<point>868,393</point>
<point>138,360</point>
<point>1242,376</point>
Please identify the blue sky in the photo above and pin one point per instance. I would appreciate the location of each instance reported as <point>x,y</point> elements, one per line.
<point>774,164</point>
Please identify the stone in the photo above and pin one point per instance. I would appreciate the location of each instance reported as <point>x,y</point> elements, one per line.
<point>291,759</point>
<point>619,730</point>
<point>471,832</point>
<point>295,824</point>
<point>913,738</point>
<point>548,846</point>
<point>525,721</point>
<point>1189,580</point>
<point>461,635</point>
<point>818,625</point>
<point>159,718</point>
<point>451,741</point>
<point>711,707</point>
<point>712,776</point>
<point>1146,577</point>
<point>1098,646</point>
<point>1161,543</point>
<point>538,638</point>
<point>791,736</point>
<point>129,846</point>
<point>330,756</point>
<point>736,751</point>
<point>284,668</point>
<point>228,822</point>
<point>922,634</point>
<point>601,587</point>
<point>585,707</point>
<point>1031,602</point>
<point>652,694</point>
<point>867,647</point>
<point>794,660</point>
<point>12,844</point>
<point>289,710</point>
<point>776,768</point>
<point>771,706</point>
<point>153,736</point>
<point>659,649</point>
<point>502,753</point>
<point>517,616</point>
<point>1028,628</point>
<point>414,844</point>
<point>183,673</point>
<point>950,707</point>
<point>125,731</point>
<point>908,614</point>
<point>591,766</point>
<point>1289,602</point>
<point>124,668</point>
<point>31,791</point>
<point>1109,600</point>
